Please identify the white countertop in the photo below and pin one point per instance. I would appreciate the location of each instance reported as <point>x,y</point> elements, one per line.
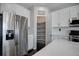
<point>60,47</point>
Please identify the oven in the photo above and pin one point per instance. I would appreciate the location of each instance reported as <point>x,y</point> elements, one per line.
<point>74,35</point>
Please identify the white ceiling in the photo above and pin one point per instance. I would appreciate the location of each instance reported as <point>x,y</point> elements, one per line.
<point>51,6</point>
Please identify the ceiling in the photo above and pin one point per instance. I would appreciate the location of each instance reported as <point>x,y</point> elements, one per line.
<point>51,6</point>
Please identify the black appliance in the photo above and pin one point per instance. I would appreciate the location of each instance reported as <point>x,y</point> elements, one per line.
<point>1,26</point>
<point>74,23</point>
<point>74,35</point>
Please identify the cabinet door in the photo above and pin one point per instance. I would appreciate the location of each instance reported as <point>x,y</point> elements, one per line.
<point>55,19</point>
<point>73,12</point>
<point>77,11</point>
<point>64,17</point>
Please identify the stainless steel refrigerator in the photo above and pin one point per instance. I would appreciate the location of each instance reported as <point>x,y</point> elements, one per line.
<point>15,34</point>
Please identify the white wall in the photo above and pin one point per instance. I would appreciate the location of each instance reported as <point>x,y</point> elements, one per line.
<point>16,9</point>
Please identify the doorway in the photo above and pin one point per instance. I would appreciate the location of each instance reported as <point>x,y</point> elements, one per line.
<point>1,26</point>
<point>41,32</point>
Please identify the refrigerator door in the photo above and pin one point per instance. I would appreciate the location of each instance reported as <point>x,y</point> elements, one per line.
<point>21,35</point>
<point>8,24</point>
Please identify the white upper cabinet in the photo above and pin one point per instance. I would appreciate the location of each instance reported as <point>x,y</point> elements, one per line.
<point>74,12</point>
<point>64,17</point>
<point>55,19</point>
<point>60,18</point>
<point>77,11</point>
